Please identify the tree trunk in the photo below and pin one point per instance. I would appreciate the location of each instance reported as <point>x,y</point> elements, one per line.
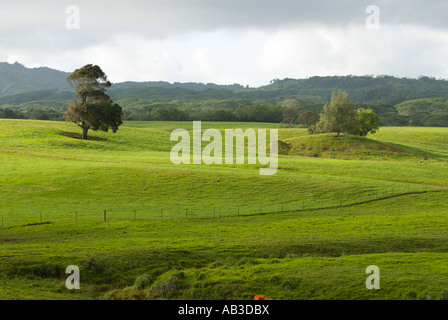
<point>85,129</point>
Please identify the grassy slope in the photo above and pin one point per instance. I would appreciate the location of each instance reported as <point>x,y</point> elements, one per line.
<point>350,148</point>
<point>297,251</point>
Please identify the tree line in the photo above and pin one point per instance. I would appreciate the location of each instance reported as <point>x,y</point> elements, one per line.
<point>216,110</point>
<point>94,109</point>
<point>247,112</point>
<point>34,114</point>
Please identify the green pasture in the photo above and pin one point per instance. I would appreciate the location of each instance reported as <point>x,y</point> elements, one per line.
<point>334,207</point>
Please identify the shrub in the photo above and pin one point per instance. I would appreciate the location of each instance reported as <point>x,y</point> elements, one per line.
<point>166,289</point>
<point>444,295</point>
<point>100,271</point>
<point>48,270</point>
<point>412,295</point>
<point>283,147</point>
<point>426,296</point>
<point>143,281</point>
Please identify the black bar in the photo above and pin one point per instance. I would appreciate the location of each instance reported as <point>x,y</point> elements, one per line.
<point>229,309</point>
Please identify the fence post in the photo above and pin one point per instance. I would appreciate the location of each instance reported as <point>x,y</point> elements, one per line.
<point>105,214</point>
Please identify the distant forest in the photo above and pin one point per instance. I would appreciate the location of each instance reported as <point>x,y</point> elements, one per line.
<point>398,101</point>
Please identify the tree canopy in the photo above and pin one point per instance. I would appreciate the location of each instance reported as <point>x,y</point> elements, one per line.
<point>93,108</point>
<point>340,115</point>
<point>368,121</point>
<point>308,118</point>
<point>289,116</point>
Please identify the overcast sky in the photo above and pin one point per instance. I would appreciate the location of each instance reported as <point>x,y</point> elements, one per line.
<point>228,41</point>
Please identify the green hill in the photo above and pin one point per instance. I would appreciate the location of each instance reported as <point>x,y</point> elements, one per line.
<point>425,112</point>
<point>16,79</point>
<point>349,147</point>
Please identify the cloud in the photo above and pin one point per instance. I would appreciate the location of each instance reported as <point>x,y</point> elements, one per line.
<point>395,50</point>
<point>227,41</point>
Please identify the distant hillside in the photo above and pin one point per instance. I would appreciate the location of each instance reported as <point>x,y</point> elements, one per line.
<point>398,101</point>
<point>163,94</point>
<point>425,112</point>
<point>188,85</point>
<point>17,79</point>
<point>361,89</point>
<point>381,90</point>
<point>43,95</point>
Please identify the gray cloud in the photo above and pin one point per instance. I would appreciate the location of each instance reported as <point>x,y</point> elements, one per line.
<point>35,32</point>
<point>102,18</point>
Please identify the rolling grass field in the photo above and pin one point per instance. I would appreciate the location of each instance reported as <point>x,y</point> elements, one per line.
<point>335,207</point>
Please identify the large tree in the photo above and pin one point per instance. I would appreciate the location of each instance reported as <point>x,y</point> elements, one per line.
<point>93,108</point>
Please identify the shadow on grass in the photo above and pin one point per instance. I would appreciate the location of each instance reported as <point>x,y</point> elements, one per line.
<point>79,136</point>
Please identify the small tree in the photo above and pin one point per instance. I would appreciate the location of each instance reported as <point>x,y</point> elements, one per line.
<point>288,116</point>
<point>93,108</point>
<point>368,121</point>
<point>339,114</point>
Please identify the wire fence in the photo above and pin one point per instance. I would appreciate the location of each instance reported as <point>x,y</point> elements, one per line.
<point>179,212</point>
